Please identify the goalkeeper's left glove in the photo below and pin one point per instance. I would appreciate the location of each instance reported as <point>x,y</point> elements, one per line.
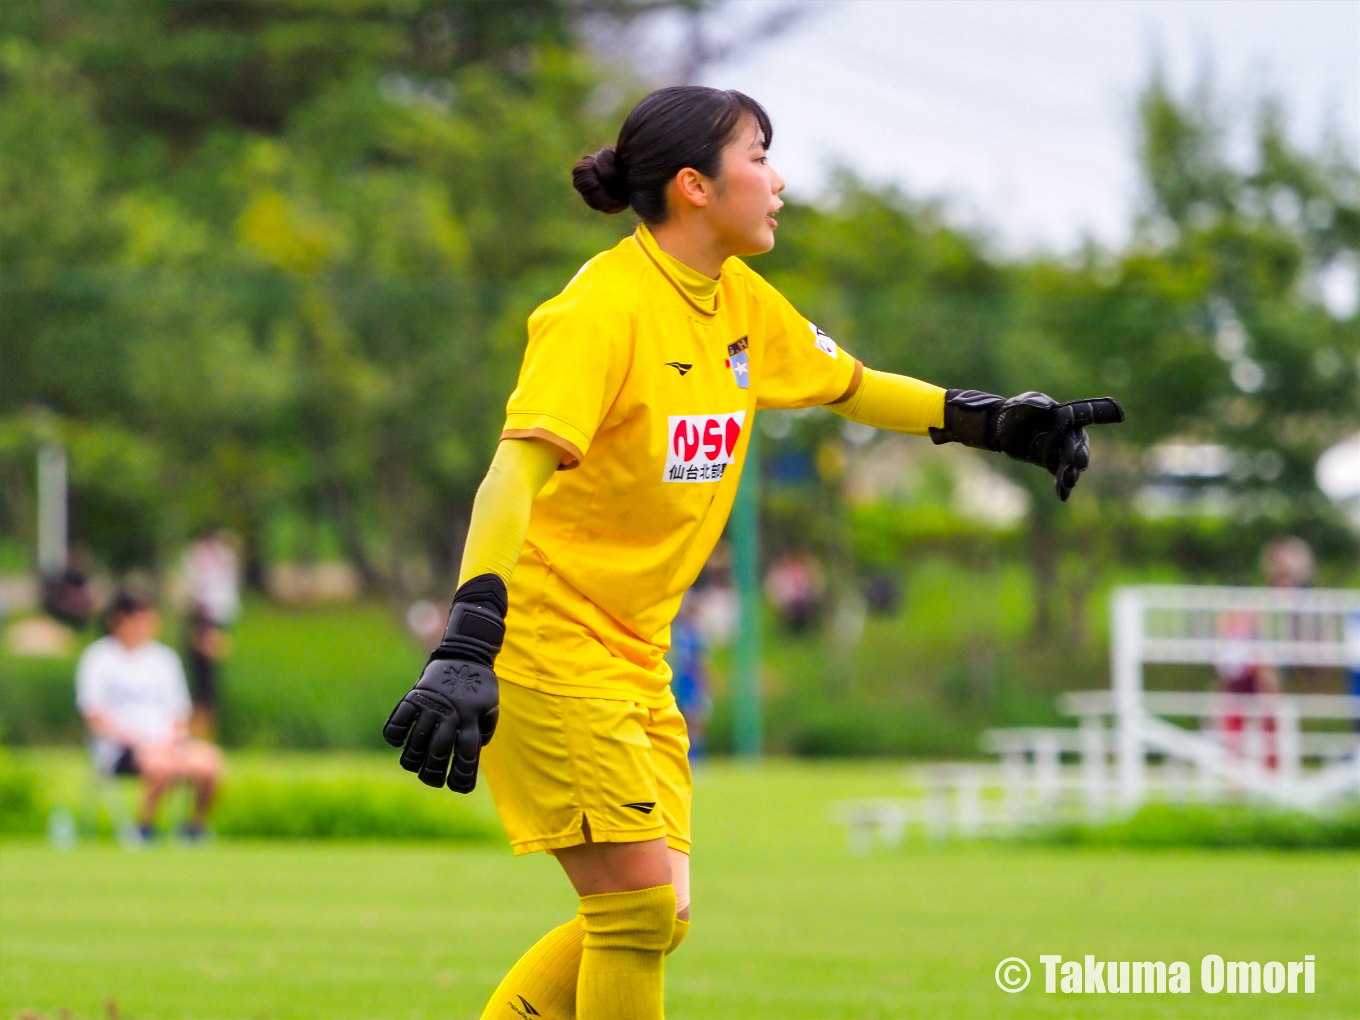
<point>1032,427</point>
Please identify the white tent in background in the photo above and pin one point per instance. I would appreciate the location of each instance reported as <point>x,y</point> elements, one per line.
<point>1338,475</point>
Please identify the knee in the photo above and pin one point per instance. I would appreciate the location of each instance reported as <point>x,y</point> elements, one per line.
<point>156,775</point>
<point>641,920</point>
<point>205,763</point>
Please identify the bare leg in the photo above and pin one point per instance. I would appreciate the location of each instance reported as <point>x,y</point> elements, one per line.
<point>617,867</point>
<point>154,785</point>
<point>203,768</point>
<point>163,765</point>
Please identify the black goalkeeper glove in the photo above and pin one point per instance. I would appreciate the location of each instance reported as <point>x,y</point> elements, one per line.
<point>1032,427</point>
<point>452,709</point>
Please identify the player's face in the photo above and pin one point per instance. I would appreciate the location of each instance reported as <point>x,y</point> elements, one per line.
<point>747,193</point>
<point>137,628</point>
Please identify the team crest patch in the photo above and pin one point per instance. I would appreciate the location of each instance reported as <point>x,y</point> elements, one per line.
<point>823,342</point>
<point>739,362</point>
<point>701,446</point>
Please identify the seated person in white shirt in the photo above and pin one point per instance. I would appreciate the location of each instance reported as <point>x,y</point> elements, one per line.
<point>131,690</point>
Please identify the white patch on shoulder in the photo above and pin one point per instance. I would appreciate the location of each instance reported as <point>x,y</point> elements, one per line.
<point>823,342</point>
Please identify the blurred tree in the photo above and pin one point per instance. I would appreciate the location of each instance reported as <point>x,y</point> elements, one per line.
<point>271,261</point>
<point>1209,327</point>
<point>178,69</point>
<point>290,246</point>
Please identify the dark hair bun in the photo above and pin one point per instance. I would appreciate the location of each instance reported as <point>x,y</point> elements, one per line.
<point>601,181</point>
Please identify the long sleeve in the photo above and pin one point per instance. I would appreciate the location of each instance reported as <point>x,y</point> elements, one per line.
<point>895,402</point>
<point>500,513</point>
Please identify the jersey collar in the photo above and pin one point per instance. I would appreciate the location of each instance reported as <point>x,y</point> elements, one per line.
<point>700,292</point>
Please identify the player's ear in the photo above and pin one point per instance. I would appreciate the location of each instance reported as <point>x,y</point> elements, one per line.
<point>692,188</point>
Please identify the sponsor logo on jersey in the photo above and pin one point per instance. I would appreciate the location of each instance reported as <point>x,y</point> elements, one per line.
<point>739,362</point>
<point>701,446</point>
<point>822,342</point>
<point>679,366</point>
<point>645,806</point>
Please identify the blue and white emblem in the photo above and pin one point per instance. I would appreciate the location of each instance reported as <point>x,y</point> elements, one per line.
<point>739,363</point>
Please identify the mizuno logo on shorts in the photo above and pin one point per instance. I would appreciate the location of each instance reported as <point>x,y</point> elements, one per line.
<point>645,806</point>
<point>701,446</point>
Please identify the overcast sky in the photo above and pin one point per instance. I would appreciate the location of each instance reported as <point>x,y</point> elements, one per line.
<point>1020,112</point>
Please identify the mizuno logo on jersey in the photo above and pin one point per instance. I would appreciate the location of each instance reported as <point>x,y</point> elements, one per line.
<point>645,806</point>
<point>701,446</point>
<point>679,366</point>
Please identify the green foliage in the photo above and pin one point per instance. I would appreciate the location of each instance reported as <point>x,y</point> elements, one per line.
<point>275,259</point>
<point>921,681</point>
<point>396,808</point>
<point>1181,825</point>
<point>23,805</point>
<point>38,701</point>
<point>315,679</point>
<point>263,796</point>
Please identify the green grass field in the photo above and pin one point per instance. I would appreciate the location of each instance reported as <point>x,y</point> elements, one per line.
<point>788,923</point>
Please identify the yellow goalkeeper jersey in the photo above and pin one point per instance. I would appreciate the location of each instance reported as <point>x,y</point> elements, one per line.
<point>647,374</point>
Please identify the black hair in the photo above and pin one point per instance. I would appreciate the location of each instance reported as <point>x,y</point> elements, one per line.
<point>669,130</point>
<point>125,604</point>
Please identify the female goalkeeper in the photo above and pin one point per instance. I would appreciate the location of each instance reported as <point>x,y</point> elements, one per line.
<point>623,444</point>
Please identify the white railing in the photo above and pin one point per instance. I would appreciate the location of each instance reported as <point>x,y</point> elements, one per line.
<point>1126,748</point>
<point>1206,625</point>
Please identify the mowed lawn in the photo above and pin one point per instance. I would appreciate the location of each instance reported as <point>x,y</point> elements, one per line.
<point>788,923</point>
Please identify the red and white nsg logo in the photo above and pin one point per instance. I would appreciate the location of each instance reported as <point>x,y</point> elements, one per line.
<point>701,446</point>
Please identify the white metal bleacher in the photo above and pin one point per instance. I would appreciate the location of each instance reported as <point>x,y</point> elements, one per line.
<point>1132,744</point>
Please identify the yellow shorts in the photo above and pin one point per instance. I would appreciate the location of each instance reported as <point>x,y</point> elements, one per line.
<point>557,761</point>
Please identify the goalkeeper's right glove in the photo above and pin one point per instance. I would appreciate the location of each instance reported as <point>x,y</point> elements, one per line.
<point>1032,427</point>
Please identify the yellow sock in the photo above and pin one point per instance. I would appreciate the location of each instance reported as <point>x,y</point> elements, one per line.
<point>681,930</point>
<point>627,934</point>
<point>543,981</point>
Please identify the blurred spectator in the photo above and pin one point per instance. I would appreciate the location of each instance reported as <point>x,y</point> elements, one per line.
<point>426,622</point>
<point>881,594</point>
<point>714,599</point>
<point>689,673</point>
<point>213,570</point>
<point>1240,673</point>
<point>69,596</point>
<point>130,688</point>
<point>208,645</point>
<point>794,584</point>
<point>1353,657</point>
<point>1287,562</point>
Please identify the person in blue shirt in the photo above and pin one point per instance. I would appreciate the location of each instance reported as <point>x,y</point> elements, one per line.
<point>689,674</point>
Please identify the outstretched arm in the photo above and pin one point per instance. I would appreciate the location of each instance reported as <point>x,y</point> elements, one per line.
<point>898,403</point>
<point>1032,427</point>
